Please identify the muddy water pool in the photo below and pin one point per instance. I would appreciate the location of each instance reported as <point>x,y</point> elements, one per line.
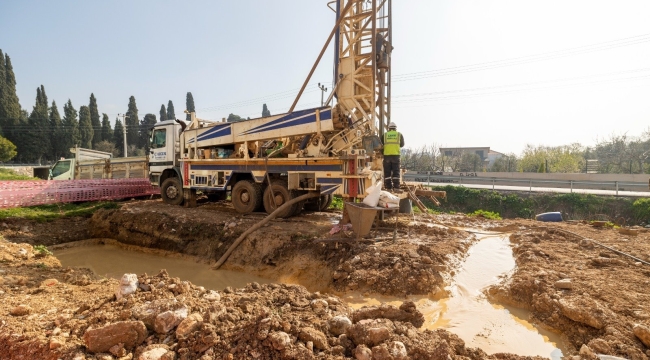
<point>467,313</point>
<point>113,261</point>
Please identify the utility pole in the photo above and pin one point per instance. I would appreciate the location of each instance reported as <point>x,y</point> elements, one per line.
<point>323,90</point>
<point>124,117</point>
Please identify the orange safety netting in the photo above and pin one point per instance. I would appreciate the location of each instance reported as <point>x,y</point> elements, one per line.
<point>20,193</point>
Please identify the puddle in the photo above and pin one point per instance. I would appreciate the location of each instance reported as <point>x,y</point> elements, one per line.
<point>468,314</point>
<point>113,261</point>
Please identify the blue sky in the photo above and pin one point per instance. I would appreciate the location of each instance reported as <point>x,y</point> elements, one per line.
<point>453,83</point>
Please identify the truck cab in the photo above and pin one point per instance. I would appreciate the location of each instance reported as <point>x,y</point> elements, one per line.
<point>163,154</point>
<point>64,169</point>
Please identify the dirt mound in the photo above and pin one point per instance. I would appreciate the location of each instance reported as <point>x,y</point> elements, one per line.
<point>589,293</point>
<point>51,313</point>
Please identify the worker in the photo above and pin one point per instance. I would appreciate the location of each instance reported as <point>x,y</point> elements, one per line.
<point>393,141</point>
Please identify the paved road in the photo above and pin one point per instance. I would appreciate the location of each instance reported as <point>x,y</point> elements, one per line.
<point>550,189</point>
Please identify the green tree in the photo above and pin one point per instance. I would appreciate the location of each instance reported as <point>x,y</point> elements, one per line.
<point>234,118</point>
<point>506,163</point>
<point>189,105</point>
<point>170,111</point>
<point>85,127</point>
<point>107,132</point>
<point>146,124</point>
<point>7,150</point>
<point>10,111</point>
<point>71,126</point>
<point>132,123</point>
<point>36,142</point>
<point>470,162</point>
<point>265,111</point>
<point>163,113</point>
<point>2,87</point>
<point>94,120</point>
<point>58,133</point>
<point>107,146</point>
<point>118,137</point>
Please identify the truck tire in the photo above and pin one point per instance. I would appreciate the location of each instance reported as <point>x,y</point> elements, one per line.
<point>282,195</point>
<point>325,203</point>
<point>246,196</point>
<point>299,206</point>
<point>171,191</point>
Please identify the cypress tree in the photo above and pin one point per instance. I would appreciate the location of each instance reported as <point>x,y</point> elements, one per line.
<point>58,133</point>
<point>85,127</point>
<point>147,123</point>
<point>107,132</point>
<point>12,112</point>
<point>170,111</point>
<point>118,136</point>
<point>132,123</point>
<point>36,142</point>
<point>94,120</point>
<point>265,111</point>
<point>163,113</point>
<point>3,115</point>
<point>189,105</point>
<point>71,126</point>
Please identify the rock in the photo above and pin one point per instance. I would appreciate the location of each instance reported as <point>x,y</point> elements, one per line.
<point>168,320</point>
<point>129,333</point>
<point>586,352</point>
<point>586,311</point>
<point>426,260</point>
<point>407,312</point>
<point>339,324</point>
<point>279,340</point>
<point>212,296</point>
<point>118,350</point>
<point>153,354</point>
<point>21,310</point>
<point>189,325</point>
<point>380,352</point>
<point>643,333</point>
<point>362,352</point>
<point>398,350</point>
<point>319,306</point>
<point>128,285</point>
<point>377,335</point>
<point>564,284</point>
<point>49,282</point>
<point>56,343</point>
<point>318,338</point>
<point>603,261</point>
<point>600,346</point>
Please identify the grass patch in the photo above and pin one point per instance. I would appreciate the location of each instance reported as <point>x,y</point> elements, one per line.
<point>8,174</point>
<point>42,250</point>
<point>486,214</point>
<point>337,203</point>
<point>55,211</point>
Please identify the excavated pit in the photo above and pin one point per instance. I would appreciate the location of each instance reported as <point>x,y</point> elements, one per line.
<point>491,327</point>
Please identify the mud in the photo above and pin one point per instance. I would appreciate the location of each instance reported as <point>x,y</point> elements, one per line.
<point>287,251</point>
<point>590,294</point>
<point>49,312</point>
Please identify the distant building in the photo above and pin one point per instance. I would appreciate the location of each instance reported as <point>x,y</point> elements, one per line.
<point>487,156</point>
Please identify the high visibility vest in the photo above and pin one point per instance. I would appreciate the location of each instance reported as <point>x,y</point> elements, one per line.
<point>391,143</point>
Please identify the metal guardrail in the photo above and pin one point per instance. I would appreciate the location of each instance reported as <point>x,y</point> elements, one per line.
<point>440,180</point>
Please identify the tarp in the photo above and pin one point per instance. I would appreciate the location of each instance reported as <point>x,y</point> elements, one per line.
<point>20,193</point>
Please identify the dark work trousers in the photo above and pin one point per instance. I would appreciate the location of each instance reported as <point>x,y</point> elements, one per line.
<point>391,172</point>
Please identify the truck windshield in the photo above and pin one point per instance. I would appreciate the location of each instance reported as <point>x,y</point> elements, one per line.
<point>61,167</point>
<point>158,140</point>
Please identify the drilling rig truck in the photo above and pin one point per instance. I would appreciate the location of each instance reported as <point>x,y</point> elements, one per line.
<point>263,163</point>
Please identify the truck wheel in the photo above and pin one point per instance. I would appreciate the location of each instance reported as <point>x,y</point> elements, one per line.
<point>325,202</point>
<point>282,195</point>
<point>300,205</point>
<point>246,196</point>
<point>172,191</point>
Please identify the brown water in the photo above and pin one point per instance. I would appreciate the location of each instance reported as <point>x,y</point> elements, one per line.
<point>113,262</point>
<point>468,314</point>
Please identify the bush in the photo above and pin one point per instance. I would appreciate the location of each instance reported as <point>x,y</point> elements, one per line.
<point>641,210</point>
<point>486,214</point>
